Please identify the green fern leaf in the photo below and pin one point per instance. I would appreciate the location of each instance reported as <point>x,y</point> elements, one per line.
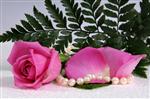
<point>89,20</point>
<point>73,12</point>
<point>56,14</point>
<point>110,22</point>
<point>122,12</point>
<point>92,11</point>
<point>99,12</point>
<point>91,28</point>
<point>33,22</point>
<point>122,2</point>
<point>27,26</point>
<point>91,86</point>
<point>127,8</point>
<point>74,26</point>
<point>8,36</point>
<point>110,13</point>
<point>140,72</point>
<point>96,4</point>
<point>110,31</point>
<point>20,29</point>
<point>113,1</point>
<point>86,12</point>
<point>42,19</point>
<point>46,38</point>
<point>110,6</point>
<point>81,34</point>
<point>101,20</point>
<point>63,40</point>
<point>128,16</point>
<point>85,5</point>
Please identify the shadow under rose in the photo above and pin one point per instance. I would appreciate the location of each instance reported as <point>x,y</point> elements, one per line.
<point>7,82</point>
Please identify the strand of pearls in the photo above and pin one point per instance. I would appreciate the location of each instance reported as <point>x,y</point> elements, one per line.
<point>80,81</point>
<point>123,80</point>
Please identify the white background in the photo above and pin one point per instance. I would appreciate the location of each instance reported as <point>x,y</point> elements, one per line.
<point>11,11</point>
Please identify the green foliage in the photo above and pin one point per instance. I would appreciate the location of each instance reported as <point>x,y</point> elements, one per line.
<point>9,35</point>
<point>91,86</point>
<point>63,40</point>
<point>93,14</point>
<point>64,57</point>
<point>122,12</point>
<point>56,14</point>
<point>75,17</point>
<point>74,13</point>
<point>140,31</point>
<point>44,20</point>
<point>116,24</point>
<point>140,72</point>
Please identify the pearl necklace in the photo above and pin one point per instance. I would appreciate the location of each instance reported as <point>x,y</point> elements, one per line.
<point>80,81</point>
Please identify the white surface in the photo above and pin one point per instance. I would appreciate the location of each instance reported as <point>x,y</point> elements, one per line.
<point>11,12</point>
<point>138,89</point>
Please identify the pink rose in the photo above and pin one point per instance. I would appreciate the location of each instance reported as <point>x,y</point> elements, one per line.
<point>33,64</point>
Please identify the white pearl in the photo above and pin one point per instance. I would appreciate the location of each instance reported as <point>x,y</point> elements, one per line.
<point>130,79</point>
<point>87,79</point>
<point>131,76</point>
<point>80,81</point>
<point>93,76</point>
<point>123,81</point>
<point>115,80</point>
<point>107,78</point>
<point>71,82</point>
<point>64,82</point>
<point>99,77</point>
<point>59,79</point>
<point>90,76</point>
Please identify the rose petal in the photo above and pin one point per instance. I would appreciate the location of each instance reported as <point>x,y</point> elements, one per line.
<point>21,48</point>
<point>86,61</point>
<point>54,68</point>
<point>32,73</point>
<point>28,83</point>
<point>40,62</point>
<point>18,65</point>
<point>117,59</point>
<point>126,69</point>
<point>19,74</point>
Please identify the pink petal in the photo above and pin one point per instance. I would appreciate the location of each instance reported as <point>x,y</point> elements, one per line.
<point>40,62</point>
<point>26,82</point>
<point>120,63</point>
<point>20,62</point>
<point>54,67</point>
<point>29,83</point>
<point>126,69</point>
<point>86,61</point>
<point>21,48</point>
<point>32,73</point>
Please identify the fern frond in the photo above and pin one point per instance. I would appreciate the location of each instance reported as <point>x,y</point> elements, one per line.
<point>92,12</point>
<point>56,14</point>
<point>44,20</point>
<point>74,13</point>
